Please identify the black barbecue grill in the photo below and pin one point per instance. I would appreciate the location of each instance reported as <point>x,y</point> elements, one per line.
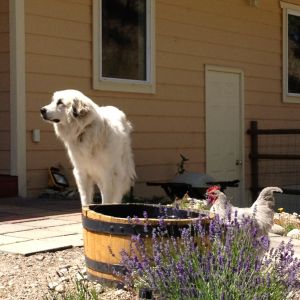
<point>193,183</point>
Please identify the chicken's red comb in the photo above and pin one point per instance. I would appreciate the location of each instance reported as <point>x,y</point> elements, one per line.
<point>213,188</point>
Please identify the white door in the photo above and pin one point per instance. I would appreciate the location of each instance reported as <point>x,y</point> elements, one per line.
<point>224,128</point>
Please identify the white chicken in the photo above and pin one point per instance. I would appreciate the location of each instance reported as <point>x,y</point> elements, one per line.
<point>261,210</point>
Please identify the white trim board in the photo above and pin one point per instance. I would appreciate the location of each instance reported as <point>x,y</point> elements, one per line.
<point>17,94</point>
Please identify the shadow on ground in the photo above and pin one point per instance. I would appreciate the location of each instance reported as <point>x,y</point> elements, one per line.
<point>13,209</point>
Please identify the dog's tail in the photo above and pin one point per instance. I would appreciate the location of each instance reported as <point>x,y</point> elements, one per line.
<point>129,161</point>
<point>129,155</point>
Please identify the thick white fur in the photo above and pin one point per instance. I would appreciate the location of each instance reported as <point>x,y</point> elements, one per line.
<point>98,143</point>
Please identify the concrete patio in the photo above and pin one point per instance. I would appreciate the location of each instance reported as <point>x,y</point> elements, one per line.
<point>29,226</point>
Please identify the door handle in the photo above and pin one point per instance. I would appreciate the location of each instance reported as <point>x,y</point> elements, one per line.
<point>238,162</point>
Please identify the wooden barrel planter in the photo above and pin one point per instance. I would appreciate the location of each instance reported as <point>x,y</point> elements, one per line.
<point>108,227</point>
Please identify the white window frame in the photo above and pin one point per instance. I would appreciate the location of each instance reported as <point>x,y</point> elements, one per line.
<point>124,85</point>
<point>288,9</point>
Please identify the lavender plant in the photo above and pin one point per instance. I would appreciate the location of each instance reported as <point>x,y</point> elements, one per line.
<point>228,260</point>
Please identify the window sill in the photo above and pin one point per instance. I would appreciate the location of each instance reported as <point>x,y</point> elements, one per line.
<point>291,98</point>
<point>124,86</point>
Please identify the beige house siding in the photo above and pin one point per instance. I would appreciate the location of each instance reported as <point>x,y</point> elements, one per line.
<point>58,56</point>
<point>4,89</point>
<point>189,35</point>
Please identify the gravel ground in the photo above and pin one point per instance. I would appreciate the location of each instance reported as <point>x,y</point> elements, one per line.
<point>44,275</point>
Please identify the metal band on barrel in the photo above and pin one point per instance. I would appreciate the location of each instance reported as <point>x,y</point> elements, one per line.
<point>126,229</point>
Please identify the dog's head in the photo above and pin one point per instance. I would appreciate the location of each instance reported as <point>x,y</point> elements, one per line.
<point>65,106</point>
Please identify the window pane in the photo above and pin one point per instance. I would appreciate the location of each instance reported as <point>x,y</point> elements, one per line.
<point>124,39</point>
<point>293,54</point>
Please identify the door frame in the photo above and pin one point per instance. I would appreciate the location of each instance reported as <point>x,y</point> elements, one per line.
<point>239,72</point>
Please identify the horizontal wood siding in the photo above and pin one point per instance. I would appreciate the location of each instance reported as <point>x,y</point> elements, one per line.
<point>4,89</point>
<point>189,35</point>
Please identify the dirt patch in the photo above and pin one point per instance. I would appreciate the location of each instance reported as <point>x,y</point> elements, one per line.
<point>42,275</point>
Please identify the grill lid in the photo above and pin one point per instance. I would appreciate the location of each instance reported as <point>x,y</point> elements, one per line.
<point>195,179</point>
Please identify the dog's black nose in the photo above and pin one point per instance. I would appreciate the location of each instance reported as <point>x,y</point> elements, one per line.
<point>43,111</point>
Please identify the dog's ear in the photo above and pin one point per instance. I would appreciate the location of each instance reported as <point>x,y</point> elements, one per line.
<point>79,109</point>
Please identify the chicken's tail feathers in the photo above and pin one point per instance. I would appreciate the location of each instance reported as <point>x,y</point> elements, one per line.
<point>266,197</point>
<point>271,190</point>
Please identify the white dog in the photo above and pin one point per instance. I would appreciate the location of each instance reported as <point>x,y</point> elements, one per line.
<point>98,143</point>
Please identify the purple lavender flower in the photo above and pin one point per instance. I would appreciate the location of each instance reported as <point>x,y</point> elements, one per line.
<point>136,220</point>
<point>146,222</point>
<point>161,222</point>
<point>225,261</point>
